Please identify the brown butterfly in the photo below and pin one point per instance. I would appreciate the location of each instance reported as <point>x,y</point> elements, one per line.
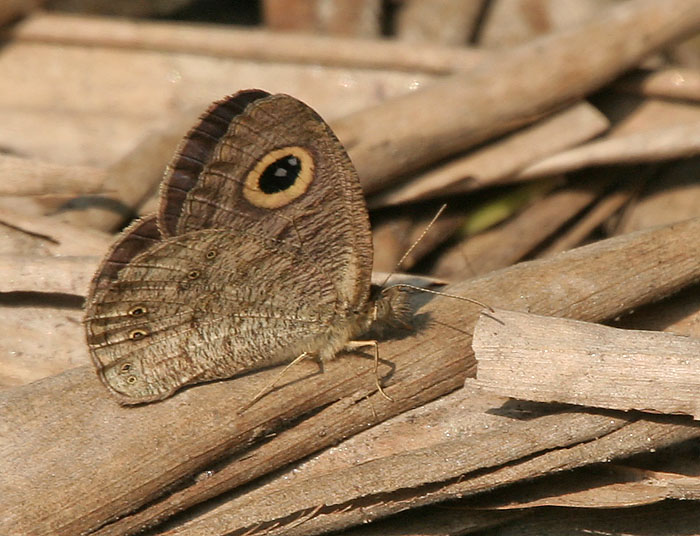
<point>261,252</point>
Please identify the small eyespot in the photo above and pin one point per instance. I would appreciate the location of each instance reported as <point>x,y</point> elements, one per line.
<point>131,380</point>
<point>137,334</point>
<point>211,254</point>
<point>126,367</point>
<point>193,274</point>
<point>139,310</point>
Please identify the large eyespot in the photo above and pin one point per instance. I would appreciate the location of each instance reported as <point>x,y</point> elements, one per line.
<point>279,177</point>
<point>193,274</point>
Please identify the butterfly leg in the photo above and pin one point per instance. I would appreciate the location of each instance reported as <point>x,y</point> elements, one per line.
<point>274,382</point>
<point>360,344</point>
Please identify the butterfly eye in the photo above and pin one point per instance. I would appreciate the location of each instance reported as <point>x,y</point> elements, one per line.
<point>137,334</point>
<point>211,254</point>
<point>193,274</point>
<point>139,310</point>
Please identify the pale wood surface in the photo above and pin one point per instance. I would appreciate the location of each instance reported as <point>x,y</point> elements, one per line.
<point>23,176</point>
<point>550,359</point>
<point>251,45</point>
<point>451,22</point>
<point>501,160</point>
<point>673,82</point>
<point>678,141</point>
<point>62,275</point>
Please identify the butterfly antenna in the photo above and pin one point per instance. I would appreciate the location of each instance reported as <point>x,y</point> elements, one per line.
<point>415,243</point>
<point>421,289</point>
<point>438,293</point>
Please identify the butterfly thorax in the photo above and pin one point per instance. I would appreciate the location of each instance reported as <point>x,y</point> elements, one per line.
<point>390,309</point>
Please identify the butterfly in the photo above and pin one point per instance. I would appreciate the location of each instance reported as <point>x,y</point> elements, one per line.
<point>260,253</point>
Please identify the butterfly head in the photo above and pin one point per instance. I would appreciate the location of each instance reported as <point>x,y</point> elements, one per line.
<point>393,308</point>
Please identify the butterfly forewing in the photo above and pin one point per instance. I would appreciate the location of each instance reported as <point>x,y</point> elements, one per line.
<point>195,153</point>
<point>328,219</point>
